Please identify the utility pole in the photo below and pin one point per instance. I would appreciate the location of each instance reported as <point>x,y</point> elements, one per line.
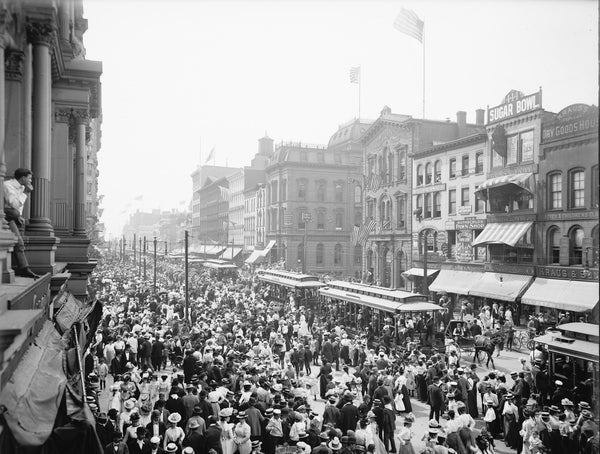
<point>140,252</point>
<point>134,250</point>
<point>155,265</point>
<point>144,258</point>
<point>187,294</point>
<point>124,246</point>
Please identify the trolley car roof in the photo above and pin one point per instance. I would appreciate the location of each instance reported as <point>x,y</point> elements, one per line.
<point>288,282</point>
<point>568,346</point>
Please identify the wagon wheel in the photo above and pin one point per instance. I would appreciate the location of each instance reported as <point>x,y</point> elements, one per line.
<point>530,344</point>
<point>517,343</point>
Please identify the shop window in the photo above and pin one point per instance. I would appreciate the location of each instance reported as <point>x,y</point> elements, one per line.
<point>554,182</point>
<point>437,170</point>
<point>452,201</point>
<point>465,165</point>
<point>320,253</point>
<point>452,172</point>
<point>419,175</point>
<point>577,189</point>
<point>428,173</point>
<point>553,240</point>
<point>519,149</point>
<point>479,162</point>
<point>526,146</point>
<point>337,255</point>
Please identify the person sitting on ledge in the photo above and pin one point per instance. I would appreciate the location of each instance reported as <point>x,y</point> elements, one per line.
<point>15,195</point>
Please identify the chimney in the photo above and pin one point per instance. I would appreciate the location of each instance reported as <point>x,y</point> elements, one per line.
<point>479,117</point>
<point>265,146</point>
<point>461,123</point>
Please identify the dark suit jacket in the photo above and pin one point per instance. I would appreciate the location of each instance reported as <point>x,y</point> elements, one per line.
<point>348,417</point>
<point>212,439</point>
<point>123,449</point>
<point>435,396</point>
<point>195,441</point>
<point>161,429</point>
<point>105,432</point>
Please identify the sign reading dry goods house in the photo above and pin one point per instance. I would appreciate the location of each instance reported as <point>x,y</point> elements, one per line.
<point>573,120</point>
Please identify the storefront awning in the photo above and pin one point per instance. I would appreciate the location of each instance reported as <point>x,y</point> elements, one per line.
<point>577,296</point>
<point>501,286</point>
<point>255,258</point>
<point>419,272</point>
<point>452,281</point>
<point>508,233</point>
<point>522,180</point>
<point>230,253</point>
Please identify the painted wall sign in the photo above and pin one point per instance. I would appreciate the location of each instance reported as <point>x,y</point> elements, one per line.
<point>557,272</point>
<point>571,121</point>
<point>515,104</point>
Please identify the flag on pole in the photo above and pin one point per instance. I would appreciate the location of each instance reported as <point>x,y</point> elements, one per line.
<point>211,155</point>
<point>366,231</point>
<point>355,74</point>
<point>408,22</point>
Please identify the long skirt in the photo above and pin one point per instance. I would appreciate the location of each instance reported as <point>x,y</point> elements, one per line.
<point>406,448</point>
<point>453,441</point>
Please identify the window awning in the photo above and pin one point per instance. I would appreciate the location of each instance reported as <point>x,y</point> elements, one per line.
<point>577,296</point>
<point>452,281</point>
<point>522,180</point>
<point>419,272</point>
<point>501,286</point>
<point>230,253</point>
<point>508,233</point>
<point>258,256</point>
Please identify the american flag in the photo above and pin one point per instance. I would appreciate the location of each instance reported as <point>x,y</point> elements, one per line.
<point>408,22</point>
<point>366,231</point>
<point>355,74</point>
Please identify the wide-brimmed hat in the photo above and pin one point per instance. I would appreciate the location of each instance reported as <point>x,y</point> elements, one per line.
<point>241,414</point>
<point>174,418</point>
<point>128,404</point>
<point>194,424</point>
<point>335,444</point>
<point>171,447</point>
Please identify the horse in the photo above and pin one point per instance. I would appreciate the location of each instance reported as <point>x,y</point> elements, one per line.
<point>487,345</point>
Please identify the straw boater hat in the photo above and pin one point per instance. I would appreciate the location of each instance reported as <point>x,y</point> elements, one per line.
<point>174,418</point>
<point>171,447</point>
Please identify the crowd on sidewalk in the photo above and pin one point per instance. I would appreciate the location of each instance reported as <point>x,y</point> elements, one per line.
<point>244,373</point>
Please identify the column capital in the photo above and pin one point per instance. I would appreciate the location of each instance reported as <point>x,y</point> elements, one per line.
<point>62,115</point>
<point>80,116</point>
<point>13,65</point>
<point>41,32</point>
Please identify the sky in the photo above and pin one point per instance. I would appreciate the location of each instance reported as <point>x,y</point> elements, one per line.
<point>182,77</point>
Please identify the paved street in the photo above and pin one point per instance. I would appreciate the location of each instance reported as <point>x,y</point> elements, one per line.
<point>507,362</point>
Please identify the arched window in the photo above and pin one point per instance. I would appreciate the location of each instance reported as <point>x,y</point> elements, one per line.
<point>577,189</point>
<point>428,173</point>
<point>576,239</point>
<point>337,254</point>
<point>320,250</point>
<point>437,171</point>
<point>419,175</point>
<point>302,189</point>
<point>320,219</point>
<point>553,241</point>
<point>320,191</point>
<point>554,191</point>
<point>300,252</point>
<point>390,168</point>
<point>401,165</point>
<point>339,191</point>
<point>358,255</point>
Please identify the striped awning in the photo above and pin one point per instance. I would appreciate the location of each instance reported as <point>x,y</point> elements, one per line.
<point>577,296</point>
<point>508,233</point>
<point>522,180</point>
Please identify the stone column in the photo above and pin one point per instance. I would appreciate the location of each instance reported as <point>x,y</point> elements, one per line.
<point>41,35</point>
<point>81,120</point>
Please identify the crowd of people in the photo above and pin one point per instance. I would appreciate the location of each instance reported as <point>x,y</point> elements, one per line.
<point>242,373</point>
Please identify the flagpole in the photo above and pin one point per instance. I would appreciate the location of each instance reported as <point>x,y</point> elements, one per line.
<point>359,84</point>
<point>423,69</point>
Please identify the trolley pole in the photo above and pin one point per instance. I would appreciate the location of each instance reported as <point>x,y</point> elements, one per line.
<point>187,294</point>
<point>155,265</point>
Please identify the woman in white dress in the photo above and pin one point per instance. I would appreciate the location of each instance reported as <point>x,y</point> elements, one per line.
<point>241,434</point>
<point>227,444</point>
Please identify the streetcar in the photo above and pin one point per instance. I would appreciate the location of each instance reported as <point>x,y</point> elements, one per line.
<point>379,310</point>
<point>221,269</point>
<point>279,285</point>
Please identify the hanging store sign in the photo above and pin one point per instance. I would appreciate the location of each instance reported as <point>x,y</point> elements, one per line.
<point>515,103</point>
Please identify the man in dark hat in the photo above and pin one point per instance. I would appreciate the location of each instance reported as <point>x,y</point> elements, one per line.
<point>435,399</point>
<point>212,437</point>
<point>104,428</point>
<point>348,415</point>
